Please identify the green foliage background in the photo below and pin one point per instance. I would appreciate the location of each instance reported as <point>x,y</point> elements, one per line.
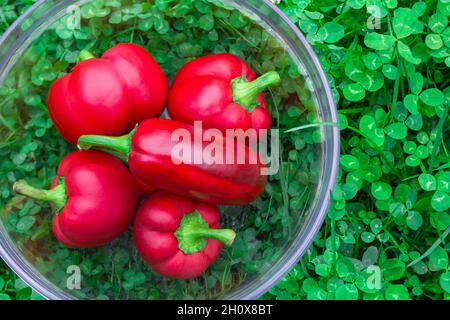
<point>388,64</point>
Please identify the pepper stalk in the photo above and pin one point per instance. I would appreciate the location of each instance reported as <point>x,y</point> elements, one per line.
<point>85,55</point>
<point>245,92</point>
<point>56,195</point>
<point>193,233</point>
<point>117,146</point>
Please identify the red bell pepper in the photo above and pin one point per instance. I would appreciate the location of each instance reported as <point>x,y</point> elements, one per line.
<point>179,237</point>
<point>149,151</point>
<point>222,91</point>
<point>93,197</point>
<point>108,95</point>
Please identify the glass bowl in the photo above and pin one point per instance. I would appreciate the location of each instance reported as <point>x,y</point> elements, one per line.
<point>273,232</point>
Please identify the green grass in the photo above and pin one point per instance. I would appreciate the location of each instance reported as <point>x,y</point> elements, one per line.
<point>386,233</point>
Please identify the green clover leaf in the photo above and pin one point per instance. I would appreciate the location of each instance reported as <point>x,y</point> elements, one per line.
<point>396,130</point>
<point>393,269</point>
<point>331,32</point>
<point>403,22</point>
<point>347,292</point>
<point>414,220</point>
<point>397,292</point>
<point>440,201</point>
<point>427,182</point>
<point>439,258</point>
<point>432,97</point>
<point>354,92</point>
<point>438,22</point>
<point>349,162</point>
<point>378,41</point>
<point>434,41</point>
<point>406,53</point>
<point>381,190</point>
<point>444,281</point>
<point>368,126</point>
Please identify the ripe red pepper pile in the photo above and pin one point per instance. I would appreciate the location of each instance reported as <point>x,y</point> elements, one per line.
<point>113,104</point>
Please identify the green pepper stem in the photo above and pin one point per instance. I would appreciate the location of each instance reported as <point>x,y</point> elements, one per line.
<point>118,146</point>
<point>194,231</point>
<point>57,195</point>
<point>245,92</point>
<point>225,236</point>
<point>85,55</point>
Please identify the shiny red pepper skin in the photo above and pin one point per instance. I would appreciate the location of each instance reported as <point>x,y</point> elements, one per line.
<point>156,222</point>
<point>201,91</point>
<point>101,199</point>
<point>108,95</point>
<point>151,164</point>
<point>150,160</point>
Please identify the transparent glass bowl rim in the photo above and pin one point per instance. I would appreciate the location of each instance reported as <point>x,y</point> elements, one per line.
<point>253,290</point>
